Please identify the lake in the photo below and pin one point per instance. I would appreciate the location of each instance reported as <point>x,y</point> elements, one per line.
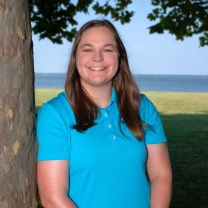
<point>158,83</point>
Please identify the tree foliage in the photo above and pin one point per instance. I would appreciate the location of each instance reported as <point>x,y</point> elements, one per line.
<point>183,18</point>
<point>51,19</point>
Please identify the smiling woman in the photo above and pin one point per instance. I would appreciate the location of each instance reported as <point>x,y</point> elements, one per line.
<point>97,139</point>
<point>97,60</point>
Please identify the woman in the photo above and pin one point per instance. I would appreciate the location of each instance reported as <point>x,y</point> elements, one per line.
<point>101,143</point>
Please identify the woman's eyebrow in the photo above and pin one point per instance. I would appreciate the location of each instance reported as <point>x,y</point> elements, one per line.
<point>90,45</point>
<point>110,45</point>
<point>86,44</point>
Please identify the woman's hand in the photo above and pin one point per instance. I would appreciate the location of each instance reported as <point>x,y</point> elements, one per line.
<point>53,184</point>
<point>160,175</point>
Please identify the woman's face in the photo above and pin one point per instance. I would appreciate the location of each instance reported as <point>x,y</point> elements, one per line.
<point>97,57</point>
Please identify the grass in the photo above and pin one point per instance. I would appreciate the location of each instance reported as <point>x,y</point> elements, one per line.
<point>42,95</point>
<point>185,120</point>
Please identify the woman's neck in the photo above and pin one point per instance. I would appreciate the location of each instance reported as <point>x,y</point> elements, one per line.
<point>100,95</point>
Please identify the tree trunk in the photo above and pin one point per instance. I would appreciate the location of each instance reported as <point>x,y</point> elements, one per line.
<point>17,110</point>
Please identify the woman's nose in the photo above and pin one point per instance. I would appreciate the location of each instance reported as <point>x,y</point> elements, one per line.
<point>98,56</point>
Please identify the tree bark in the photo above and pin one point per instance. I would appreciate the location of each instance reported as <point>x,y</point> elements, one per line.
<point>17,110</point>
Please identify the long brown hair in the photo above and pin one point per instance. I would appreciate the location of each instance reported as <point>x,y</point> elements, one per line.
<point>128,95</point>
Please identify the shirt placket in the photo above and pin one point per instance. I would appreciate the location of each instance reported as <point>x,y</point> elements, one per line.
<point>111,130</point>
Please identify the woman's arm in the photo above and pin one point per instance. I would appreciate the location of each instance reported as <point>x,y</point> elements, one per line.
<point>53,184</point>
<point>160,175</point>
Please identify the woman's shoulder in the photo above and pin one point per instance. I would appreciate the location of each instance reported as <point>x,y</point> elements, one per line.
<point>147,108</point>
<point>145,102</point>
<point>59,103</point>
<point>154,134</point>
<point>59,99</point>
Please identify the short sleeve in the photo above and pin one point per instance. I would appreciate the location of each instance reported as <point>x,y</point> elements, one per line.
<point>154,132</point>
<point>52,135</point>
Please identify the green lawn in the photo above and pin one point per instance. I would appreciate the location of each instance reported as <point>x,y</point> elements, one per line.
<point>185,119</point>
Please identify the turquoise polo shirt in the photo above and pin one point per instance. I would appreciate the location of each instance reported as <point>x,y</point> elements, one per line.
<point>107,167</point>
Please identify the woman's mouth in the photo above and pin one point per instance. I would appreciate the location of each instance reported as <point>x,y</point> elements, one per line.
<point>97,68</point>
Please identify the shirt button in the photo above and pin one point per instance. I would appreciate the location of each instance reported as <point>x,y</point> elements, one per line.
<point>109,126</point>
<point>105,114</point>
<point>114,137</point>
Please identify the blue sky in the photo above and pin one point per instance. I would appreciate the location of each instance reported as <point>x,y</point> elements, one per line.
<point>148,54</point>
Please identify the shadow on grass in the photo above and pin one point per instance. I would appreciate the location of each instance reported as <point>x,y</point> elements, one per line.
<point>188,146</point>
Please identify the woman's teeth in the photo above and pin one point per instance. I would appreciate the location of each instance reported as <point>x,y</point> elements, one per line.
<point>97,68</point>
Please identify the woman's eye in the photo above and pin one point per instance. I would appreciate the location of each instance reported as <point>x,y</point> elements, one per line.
<point>108,50</point>
<point>87,50</point>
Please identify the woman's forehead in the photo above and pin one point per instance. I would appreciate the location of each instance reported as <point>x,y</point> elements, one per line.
<point>98,34</point>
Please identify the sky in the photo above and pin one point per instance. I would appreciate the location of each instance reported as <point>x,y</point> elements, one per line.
<point>147,53</point>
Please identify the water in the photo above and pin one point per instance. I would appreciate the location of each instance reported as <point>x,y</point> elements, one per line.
<point>158,83</point>
<point>172,83</point>
<point>51,80</point>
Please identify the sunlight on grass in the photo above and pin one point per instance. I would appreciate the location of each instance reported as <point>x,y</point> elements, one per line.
<point>43,95</point>
<point>178,102</point>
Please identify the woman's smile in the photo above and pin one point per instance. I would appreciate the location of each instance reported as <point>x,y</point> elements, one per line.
<point>97,68</point>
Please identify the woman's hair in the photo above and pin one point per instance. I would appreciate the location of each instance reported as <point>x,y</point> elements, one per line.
<point>128,95</point>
